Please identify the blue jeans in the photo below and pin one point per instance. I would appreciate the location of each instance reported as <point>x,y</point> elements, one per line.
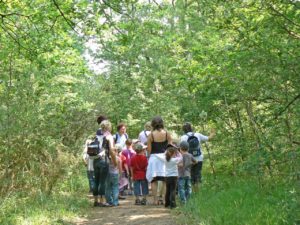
<point>184,188</point>
<point>91,177</point>
<point>112,189</point>
<point>100,172</point>
<point>140,187</point>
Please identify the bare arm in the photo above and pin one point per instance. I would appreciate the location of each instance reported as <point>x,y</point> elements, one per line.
<point>169,138</point>
<point>111,151</point>
<point>149,141</point>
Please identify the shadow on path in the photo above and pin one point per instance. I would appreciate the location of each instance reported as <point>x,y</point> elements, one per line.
<point>128,214</point>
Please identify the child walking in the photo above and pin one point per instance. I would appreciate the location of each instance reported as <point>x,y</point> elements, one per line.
<point>184,172</point>
<point>112,182</point>
<point>171,158</point>
<point>128,153</point>
<point>139,165</point>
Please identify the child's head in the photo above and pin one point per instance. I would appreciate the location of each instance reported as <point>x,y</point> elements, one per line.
<point>184,146</point>
<point>171,151</point>
<point>128,142</point>
<point>139,147</point>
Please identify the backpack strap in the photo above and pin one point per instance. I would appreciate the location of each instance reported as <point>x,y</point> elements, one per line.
<point>145,133</point>
<point>116,137</point>
<point>126,135</point>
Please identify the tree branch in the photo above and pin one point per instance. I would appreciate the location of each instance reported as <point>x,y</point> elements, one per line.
<point>287,106</point>
<point>69,22</point>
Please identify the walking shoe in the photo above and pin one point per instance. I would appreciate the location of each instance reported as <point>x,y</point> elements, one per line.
<point>137,202</point>
<point>96,204</point>
<point>144,201</point>
<point>121,197</point>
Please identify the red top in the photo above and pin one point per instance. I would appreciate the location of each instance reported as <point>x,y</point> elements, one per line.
<point>139,165</point>
<point>123,161</point>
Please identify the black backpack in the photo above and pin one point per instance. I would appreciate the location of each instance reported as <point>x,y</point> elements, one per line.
<point>98,145</point>
<point>194,145</point>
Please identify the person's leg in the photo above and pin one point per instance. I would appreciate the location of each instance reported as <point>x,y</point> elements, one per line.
<point>137,191</point>
<point>167,195</point>
<point>154,191</point>
<point>172,193</point>
<point>145,191</point>
<point>196,176</point>
<point>188,187</point>
<point>108,190</point>
<point>91,178</point>
<point>181,189</point>
<point>115,189</point>
<point>102,182</point>
<point>97,183</point>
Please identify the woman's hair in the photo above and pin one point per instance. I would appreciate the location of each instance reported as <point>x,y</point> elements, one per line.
<point>128,142</point>
<point>105,125</point>
<point>120,125</point>
<point>157,123</point>
<point>147,126</point>
<point>187,127</point>
<point>170,152</point>
<point>101,118</point>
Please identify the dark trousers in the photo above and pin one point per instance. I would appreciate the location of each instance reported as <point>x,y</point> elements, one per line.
<point>171,183</point>
<point>100,172</point>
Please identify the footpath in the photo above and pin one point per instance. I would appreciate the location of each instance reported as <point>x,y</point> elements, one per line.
<point>127,213</point>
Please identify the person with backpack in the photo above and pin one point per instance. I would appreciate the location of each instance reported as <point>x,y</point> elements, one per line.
<point>89,163</point>
<point>194,140</point>
<point>121,136</point>
<point>101,150</point>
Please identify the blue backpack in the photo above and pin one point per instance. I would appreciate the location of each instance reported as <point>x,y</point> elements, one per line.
<point>194,145</point>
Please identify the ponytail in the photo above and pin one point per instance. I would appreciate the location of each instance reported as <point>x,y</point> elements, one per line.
<point>170,152</point>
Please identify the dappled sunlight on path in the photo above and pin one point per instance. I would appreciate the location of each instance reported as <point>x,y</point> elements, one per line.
<point>128,214</point>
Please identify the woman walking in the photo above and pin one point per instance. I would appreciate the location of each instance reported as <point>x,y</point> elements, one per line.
<point>158,140</point>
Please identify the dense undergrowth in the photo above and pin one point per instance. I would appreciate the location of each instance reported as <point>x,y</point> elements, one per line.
<point>233,200</point>
<point>66,202</point>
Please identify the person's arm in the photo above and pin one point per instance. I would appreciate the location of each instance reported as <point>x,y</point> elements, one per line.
<point>169,137</point>
<point>85,156</point>
<point>120,166</point>
<point>149,148</point>
<point>111,150</point>
<point>131,171</point>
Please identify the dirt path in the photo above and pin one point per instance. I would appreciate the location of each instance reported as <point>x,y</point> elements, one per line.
<point>129,214</point>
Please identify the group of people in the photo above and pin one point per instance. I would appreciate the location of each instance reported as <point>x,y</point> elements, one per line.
<point>154,158</point>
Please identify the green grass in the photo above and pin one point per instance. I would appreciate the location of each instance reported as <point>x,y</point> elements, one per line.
<point>241,201</point>
<point>67,201</point>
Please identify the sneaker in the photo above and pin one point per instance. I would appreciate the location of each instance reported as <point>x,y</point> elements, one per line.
<point>137,202</point>
<point>121,197</point>
<point>96,204</point>
<point>144,201</point>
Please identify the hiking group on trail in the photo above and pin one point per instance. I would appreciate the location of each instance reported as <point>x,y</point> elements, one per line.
<point>118,165</point>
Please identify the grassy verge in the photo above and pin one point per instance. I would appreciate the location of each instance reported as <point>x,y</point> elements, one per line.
<point>242,201</point>
<point>67,201</point>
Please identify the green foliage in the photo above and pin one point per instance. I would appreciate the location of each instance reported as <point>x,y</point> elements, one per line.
<point>67,201</point>
<point>242,201</point>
